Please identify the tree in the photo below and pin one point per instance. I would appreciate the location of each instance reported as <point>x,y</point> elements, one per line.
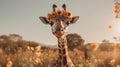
<point>74,41</point>
<point>9,43</point>
<point>15,37</point>
<point>105,45</point>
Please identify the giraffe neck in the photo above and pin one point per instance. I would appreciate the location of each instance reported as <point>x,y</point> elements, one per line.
<point>64,60</point>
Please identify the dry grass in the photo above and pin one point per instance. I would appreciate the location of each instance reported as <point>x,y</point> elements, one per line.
<point>35,57</point>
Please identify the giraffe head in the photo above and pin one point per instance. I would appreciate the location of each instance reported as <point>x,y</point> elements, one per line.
<point>59,20</point>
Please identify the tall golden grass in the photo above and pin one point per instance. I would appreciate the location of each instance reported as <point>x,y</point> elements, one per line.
<point>36,57</point>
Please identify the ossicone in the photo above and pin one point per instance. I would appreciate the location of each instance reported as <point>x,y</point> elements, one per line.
<point>54,7</point>
<point>64,6</point>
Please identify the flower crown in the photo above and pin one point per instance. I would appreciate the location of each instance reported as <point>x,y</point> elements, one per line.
<point>60,13</point>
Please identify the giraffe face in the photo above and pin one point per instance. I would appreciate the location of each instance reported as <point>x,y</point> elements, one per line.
<point>59,20</point>
<point>59,24</point>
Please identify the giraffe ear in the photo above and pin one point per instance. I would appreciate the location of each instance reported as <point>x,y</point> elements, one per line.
<point>74,19</point>
<point>44,20</point>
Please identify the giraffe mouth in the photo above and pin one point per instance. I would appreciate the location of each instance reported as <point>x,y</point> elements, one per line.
<point>59,33</point>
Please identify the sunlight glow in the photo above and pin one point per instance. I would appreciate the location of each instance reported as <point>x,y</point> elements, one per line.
<point>117,26</point>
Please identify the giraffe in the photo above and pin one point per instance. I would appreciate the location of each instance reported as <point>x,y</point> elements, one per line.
<point>59,20</point>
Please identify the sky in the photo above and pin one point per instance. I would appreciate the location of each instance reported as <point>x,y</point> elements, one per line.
<point>22,17</point>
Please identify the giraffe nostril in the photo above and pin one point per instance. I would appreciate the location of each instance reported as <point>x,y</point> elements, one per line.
<point>58,29</point>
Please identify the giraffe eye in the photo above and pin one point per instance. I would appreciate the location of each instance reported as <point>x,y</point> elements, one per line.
<point>51,23</point>
<point>67,23</point>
